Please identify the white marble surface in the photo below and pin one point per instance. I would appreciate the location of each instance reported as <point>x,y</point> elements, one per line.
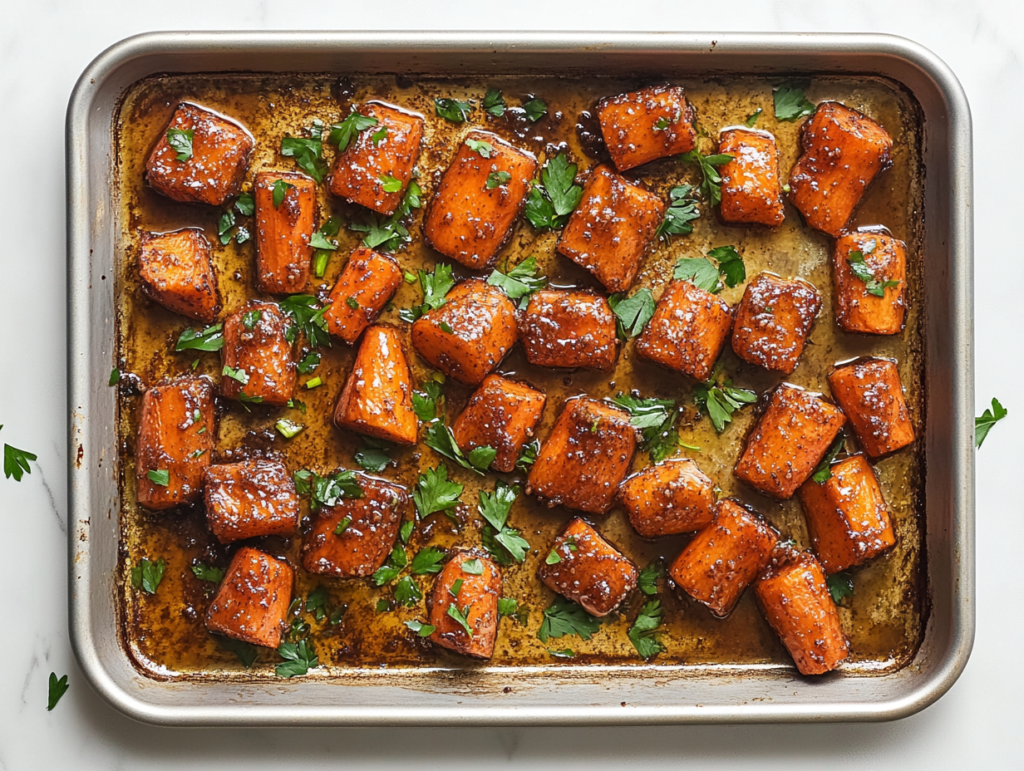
<point>44,45</point>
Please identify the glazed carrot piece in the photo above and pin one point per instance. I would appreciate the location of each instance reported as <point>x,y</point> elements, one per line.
<point>283,232</point>
<point>725,557</point>
<point>474,601</point>
<point>177,430</point>
<point>583,567</point>
<point>795,600</point>
<point>368,529</point>
<point>501,414</point>
<point>384,154</point>
<point>377,398</point>
<point>176,270</point>
<point>257,356</point>
<point>773,320</point>
<point>219,157</point>
<point>751,186</point>
<point>846,515</point>
<point>469,221</point>
<point>668,498</point>
<point>876,306</point>
<point>587,455</point>
<point>365,286</point>
<point>644,125</point>
<point>611,230</point>
<point>843,151</point>
<point>871,394</point>
<point>788,441</point>
<point>252,601</point>
<point>569,329</point>
<point>470,334</point>
<point>250,499</point>
<point>688,331</point>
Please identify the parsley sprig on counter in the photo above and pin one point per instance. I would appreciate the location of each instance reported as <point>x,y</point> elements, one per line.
<point>984,423</point>
<point>16,462</point>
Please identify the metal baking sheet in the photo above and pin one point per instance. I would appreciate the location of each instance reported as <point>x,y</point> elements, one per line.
<point>506,695</point>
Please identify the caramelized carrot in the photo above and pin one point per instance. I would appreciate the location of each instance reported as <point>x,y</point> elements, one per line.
<point>773,320</point>
<point>377,398</point>
<point>668,498</point>
<point>176,270</point>
<point>644,125</point>
<point>250,499</point>
<point>252,601</point>
<point>751,187</point>
<point>460,594</point>
<point>257,356</point>
<point>859,308</point>
<point>871,394</point>
<point>177,431</point>
<point>365,286</point>
<point>501,414</point>
<point>283,232</point>
<point>569,329</point>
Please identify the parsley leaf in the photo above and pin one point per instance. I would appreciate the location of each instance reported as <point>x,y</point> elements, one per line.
<point>160,477</point>
<point>859,268</point>
<point>245,652</point>
<point>483,149</point>
<point>421,629</point>
<point>207,573</point>
<point>115,377</point>
<point>57,688</point>
<point>473,567</point>
<point>393,568</point>
<point>306,315</point>
<point>791,103</point>
<point>323,247</point>
<point>461,616</point>
<point>505,544</point>
<point>434,492</point>
<point>388,234</point>
<point>535,109</point>
<point>373,456</point>
<point>497,179</point>
<point>656,419</point>
<point>641,634</point>
<point>840,586</point>
<point>332,489</point>
<point>238,375</point>
<point>823,471</point>
<point>343,133</point>
<point>983,424</point>
<point>752,118</point>
<point>425,403</point>
<point>520,282</point>
<point>494,103</point>
<point>711,180</point>
<point>407,592</point>
<point>390,184</point>
<point>453,109</point>
<point>508,606</point>
<point>181,142</point>
<point>730,264</point>
<point>681,211</point>
<point>632,313</point>
<point>551,202</point>
<point>405,532</point>
<point>16,462</point>
<point>440,439</point>
<point>209,339</point>
<point>281,189</point>
<point>564,617</point>
<point>298,659</point>
<point>245,205</point>
<point>379,135</point>
<point>307,152</point>
<point>528,456</point>
<point>704,273</point>
<point>435,286</point>
<point>720,401</point>
<point>147,575</point>
<point>428,560</point>
<point>648,580</point>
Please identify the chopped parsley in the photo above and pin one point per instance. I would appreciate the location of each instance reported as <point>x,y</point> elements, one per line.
<point>632,313</point>
<point>791,103</point>
<point>656,419</point>
<point>429,560</point>
<point>551,202</point>
<point>298,659</point>
<point>342,526</point>
<point>435,286</point>
<point>520,282</point>
<point>494,103</point>
<point>461,617</point>
<point>505,544</point>
<point>440,439</point>
<point>483,149</point>
<point>708,275</point>
<point>323,246</point>
<point>508,606</point>
<point>209,339</point>
<point>281,189</point>
<point>840,586</point>
<point>421,629</point>
<point>648,580</point>
<point>859,268</point>
<point>528,455</point>
<point>435,492</point>
<point>535,109</point>
<point>681,212</point>
<point>393,568</point>
<point>306,316</point>
<point>752,118</point>
<point>309,363</point>
<point>379,135</point>
<point>160,477</point>
<point>238,375</point>
<point>453,109</point>
<point>147,575</point>
<point>407,591</point>
<point>246,653</point>
<point>982,425</point>
<point>307,152</point>
<point>720,401</point>
<point>56,689</point>
<point>497,179</point>
<point>642,633</point>
<point>387,234</point>
<point>564,617</point>
<point>115,377</point>
<point>473,567</point>
<point>711,180</point>
<point>328,491</point>
<point>390,184</point>
<point>343,133</point>
<point>180,141</point>
<point>205,572</point>
<point>373,455</point>
<point>823,471</point>
<point>251,318</point>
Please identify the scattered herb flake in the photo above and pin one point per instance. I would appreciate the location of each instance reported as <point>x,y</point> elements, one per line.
<point>494,103</point>
<point>752,118</point>
<point>308,153</point>
<point>205,572</point>
<point>648,580</point>
<point>342,525</point>
<point>497,179</point>
<point>520,282</point>
<point>840,586</point>
<point>508,606</point>
<point>461,617</point>
<point>160,477</point>
<point>823,472</point>
<point>440,439</point>
<point>209,339</point>
<point>288,428</point>
<point>421,629</point>
<point>180,141</point>
<point>407,592</point>
<point>551,202</point>
<point>859,268</point>
<point>281,189</point>
<point>481,148</point>
<point>681,212</point>
<point>656,419</point>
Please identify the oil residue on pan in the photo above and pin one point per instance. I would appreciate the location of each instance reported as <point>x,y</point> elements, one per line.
<point>165,634</point>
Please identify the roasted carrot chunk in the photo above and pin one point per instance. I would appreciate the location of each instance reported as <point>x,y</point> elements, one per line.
<point>382,155</point>
<point>583,567</point>
<point>843,151</point>
<point>612,228</point>
<point>216,164</point>
<point>847,517</point>
<point>585,458</point>
<point>668,498</point>
<point>176,435</point>
<point>501,414</point>
<point>688,331</point>
<point>283,232</point>
<point>377,398</point>
<point>464,604</point>
<point>796,601</point>
<point>250,499</point>
<point>773,320</point>
<point>870,273</point>
<point>365,286</point>
<point>751,187</point>
<point>871,395</point>
<point>475,206</point>
<point>354,538</point>
<point>257,356</point>
<point>252,601</point>
<point>788,441</point>
<point>725,557</point>
<point>644,125</point>
<point>470,334</point>
<point>569,329</point>
<point>176,271</point>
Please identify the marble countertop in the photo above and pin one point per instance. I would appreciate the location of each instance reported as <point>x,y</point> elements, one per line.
<point>43,48</point>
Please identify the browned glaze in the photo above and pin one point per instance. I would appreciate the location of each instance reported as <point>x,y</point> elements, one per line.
<point>165,633</point>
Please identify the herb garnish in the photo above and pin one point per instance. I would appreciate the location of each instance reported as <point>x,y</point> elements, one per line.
<point>298,659</point>
<point>209,339</point>
<point>508,606</point>
<point>497,179</point>
<point>528,455</point>
<point>494,103</point>
<point>407,592</point>
<point>421,629</point>
<point>323,246</point>
<point>656,419</point>
<point>180,141</point>
<point>343,133</point>
<point>16,462</point>
<point>426,403</point>
<point>56,689</point>
<point>704,273</point>
<point>160,477</point>
<point>393,568</point>
<point>564,617</point>
<point>205,572</point>
<point>453,109</point>
<point>823,471</point>
<point>238,375</point>
<point>682,210</point>
<point>641,634</point>
<point>632,313</point>
<point>520,282</point>
<point>721,400</point>
<point>428,560</point>
<point>328,491</point>
<point>306,316</point>
<point>711,180</point>
<point>388,234</point>
<point>281,189</point>
<point>390,184</point>
<point>648,580</point>
<point>505,544</point>
<point>859,268</point>
<point>440,439</point>
<point>147,575</point>
<point>483,149</point>
<point>435,286</point>
<point>840,586</point>
<point>551,202</point>
<point>461,616</point>
<point>535,109</point>
<point>791,103</point>
<point>983,424</point>
<point>373,455</point>
<point>288,429</point>
<point>752,118</point>
<point>435,492</point>
<point>308,153</point>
